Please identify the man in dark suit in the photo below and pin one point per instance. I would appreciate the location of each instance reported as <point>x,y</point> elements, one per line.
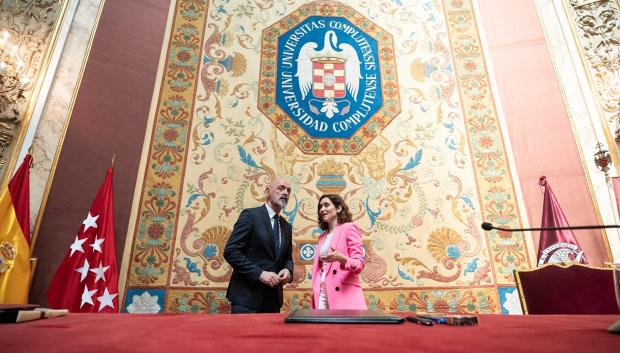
<point>260,251</point>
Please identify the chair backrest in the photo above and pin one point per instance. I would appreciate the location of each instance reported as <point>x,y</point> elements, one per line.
<point>572,289</point>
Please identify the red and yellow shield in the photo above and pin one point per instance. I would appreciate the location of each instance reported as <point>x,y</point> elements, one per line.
<point>328,79</point>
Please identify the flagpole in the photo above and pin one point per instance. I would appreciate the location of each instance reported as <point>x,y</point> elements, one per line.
<point>30,153</point>
<point>113,156</point>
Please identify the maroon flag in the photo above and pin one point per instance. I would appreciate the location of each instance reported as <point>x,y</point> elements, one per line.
<point>556,246</point>
<point>87,280</point>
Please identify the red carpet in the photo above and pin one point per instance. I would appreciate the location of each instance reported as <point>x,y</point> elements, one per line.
<point>268,333</point>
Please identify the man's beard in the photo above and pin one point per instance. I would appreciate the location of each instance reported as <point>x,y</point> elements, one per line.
<point>282,203</point>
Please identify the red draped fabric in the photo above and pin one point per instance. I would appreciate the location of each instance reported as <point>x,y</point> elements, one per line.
<point>268,333</point>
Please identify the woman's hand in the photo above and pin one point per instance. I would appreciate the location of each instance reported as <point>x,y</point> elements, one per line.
<point>334,256</point>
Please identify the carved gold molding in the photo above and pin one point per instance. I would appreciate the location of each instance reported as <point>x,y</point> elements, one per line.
<point>34,27</point>
<point>597,28</point>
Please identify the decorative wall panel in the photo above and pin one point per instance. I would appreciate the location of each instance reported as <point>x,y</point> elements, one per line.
<point>28,31</point>
<point>409,136</point>
<point>597,28</point>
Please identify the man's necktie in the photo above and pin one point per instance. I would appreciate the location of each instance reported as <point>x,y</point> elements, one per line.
<point>276,233</point>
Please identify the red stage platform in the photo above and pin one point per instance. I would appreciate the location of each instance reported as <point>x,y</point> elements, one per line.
<point>266,333</point>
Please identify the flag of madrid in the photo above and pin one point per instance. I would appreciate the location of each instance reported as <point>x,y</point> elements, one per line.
<point>87,280</point>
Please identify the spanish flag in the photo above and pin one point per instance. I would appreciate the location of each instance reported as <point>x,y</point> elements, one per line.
<point>15,237</point>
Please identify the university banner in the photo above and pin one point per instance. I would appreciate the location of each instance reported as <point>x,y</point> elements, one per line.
<point>556,246</point>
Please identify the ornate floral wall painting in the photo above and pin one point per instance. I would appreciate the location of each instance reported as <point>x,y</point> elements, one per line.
<point>386,103</point>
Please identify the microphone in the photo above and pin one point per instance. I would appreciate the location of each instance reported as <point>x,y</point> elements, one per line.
<point>488,226</point>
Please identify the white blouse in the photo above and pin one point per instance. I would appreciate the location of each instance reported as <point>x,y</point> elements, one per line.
<point>324,266</point>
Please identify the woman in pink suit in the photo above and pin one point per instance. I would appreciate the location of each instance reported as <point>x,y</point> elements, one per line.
<point>339,259</point>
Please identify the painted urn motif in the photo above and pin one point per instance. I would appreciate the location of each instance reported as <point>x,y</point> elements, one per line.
<point>331,177</point>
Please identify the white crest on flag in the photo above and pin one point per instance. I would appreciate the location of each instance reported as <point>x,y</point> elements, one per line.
<point>561,253</point>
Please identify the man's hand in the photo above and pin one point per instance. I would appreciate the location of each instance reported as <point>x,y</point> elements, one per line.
<point>269,278</point>
<point>285,275</point>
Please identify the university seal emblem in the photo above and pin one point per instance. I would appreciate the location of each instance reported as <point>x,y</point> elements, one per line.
<point>328,78</point>
<point>560,253</point>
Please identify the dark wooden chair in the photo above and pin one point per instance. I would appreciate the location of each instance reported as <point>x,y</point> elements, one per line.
<point>567,289</point>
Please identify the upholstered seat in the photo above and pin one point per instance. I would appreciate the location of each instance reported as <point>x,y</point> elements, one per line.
<point>572,289</point>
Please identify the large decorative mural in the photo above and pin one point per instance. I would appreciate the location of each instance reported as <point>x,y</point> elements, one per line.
<point>387,103</point>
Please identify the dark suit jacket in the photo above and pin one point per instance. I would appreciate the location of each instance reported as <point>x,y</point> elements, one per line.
<point>250,251</point>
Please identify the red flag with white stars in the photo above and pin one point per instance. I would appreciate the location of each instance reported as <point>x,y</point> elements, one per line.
<point>87,280</point>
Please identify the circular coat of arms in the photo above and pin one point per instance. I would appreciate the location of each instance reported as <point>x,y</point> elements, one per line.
<point>328,78</point>
<point>562,252</point>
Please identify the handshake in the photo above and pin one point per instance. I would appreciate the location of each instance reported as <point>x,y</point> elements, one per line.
<point>272,279</point>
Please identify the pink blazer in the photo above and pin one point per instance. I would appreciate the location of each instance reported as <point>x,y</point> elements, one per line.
<point>342,281</point>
